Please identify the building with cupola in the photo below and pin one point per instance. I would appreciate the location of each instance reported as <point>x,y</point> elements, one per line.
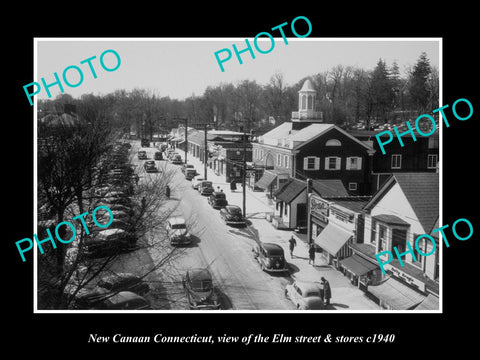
<point>308,148</point>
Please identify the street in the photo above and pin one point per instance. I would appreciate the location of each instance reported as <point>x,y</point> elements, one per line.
<point>224,250</point>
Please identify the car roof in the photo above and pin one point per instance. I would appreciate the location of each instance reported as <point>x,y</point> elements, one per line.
<point>176,220</point>
<point>307,286</point>
<point>199,274</point>
<point>272,247</point>
<point>124,296</point>
<point>232,207</point>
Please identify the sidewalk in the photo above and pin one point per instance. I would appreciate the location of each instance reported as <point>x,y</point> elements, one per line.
<point>345,296</point>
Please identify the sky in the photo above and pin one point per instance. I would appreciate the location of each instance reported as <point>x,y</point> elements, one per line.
<point>182,67</point>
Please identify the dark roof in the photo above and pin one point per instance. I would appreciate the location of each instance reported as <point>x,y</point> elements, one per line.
<point>273,249</point>
<point>199,274</point>
<point>353,203</point>
<point>390,219</point>
<point>324,188</point>
<point>422,192</point>
<point>329,188</point>
<point>291,190</point>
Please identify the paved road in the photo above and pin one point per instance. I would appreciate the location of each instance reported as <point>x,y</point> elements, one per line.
<point>226,250</point>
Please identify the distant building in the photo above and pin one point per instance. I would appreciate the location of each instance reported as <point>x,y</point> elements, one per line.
<point>421,155</point>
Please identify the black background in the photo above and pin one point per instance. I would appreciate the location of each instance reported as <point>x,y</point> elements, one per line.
<point>429,333</point>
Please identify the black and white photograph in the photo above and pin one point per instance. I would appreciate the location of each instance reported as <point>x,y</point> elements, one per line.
<point>192,187</point>
<point>243,182</point>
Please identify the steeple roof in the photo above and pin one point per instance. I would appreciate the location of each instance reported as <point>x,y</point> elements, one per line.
<point>307,86</point>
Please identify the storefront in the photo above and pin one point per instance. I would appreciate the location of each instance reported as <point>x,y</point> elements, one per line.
<point>359,270</point>
<point>318,216</point>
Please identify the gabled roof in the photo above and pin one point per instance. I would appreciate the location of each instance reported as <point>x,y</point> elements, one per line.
<point>421,191</point>
<point>328,188</point>
<point>324,188</point>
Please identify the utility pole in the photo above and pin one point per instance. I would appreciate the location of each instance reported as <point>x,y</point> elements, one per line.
<point>186,139</point>
<point>244,172</point>
<point>309,190</point>
<point>205,156</point>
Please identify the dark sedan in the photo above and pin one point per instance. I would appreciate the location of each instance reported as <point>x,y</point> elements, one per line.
<point>232,215</point>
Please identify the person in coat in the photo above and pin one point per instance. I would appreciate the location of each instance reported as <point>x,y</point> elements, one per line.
<point>311,254</point>
<point>292,245</point>
<point>233,185</point>
<point>327,291</point>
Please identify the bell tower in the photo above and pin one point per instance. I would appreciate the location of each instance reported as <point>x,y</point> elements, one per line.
<point>306,114</point>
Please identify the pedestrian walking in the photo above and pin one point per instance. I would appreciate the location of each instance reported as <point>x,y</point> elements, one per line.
<point>326,290</point>
<point>311,253</point>
<point>293,243</point>
<point>233,185</point>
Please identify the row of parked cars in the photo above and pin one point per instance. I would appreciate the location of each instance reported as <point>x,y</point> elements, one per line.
<point>114,189</point>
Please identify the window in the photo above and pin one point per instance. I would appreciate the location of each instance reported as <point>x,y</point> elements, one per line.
<point>382,237</point>
<point>304,98</point>
<point>279,160</point>
<point>311,163</point>
<point>333,142</point>
<point>433,142</point>
<point>396,161</point>
<point>261,155</point>
<point>332,163</point>
<point>421,246</point>
<point>285,212</point>
<point>432,161</point>
<point>354,163</point>
<point>286,162</point>
<point>373,234</point>
<point>352,186</point>
<point>255,153</point>
<point>310,102</point>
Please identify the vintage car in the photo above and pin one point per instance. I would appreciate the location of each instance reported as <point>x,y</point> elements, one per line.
<point>232,215</point>
<point>190,173</point>
<point>196,182</point>
<point>176,159</point>
<point>124,300</point>
<point>199,289</point>
<point>270,257</point>
<point>177,231</point>
<point>187,166</point>
<point>205,187</point>
<point>145,143</point>
<point>123,282</point>
<point>109,242</point>
<point>304,295</point>
<point>218,200</point>
<point>158,155</point>
<point>141,154</point>
<point>150,166</point>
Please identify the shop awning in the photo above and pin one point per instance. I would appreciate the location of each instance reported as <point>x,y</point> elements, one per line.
<point>358,265</point>
<point>396,294</point>
<point>332,238</point>
<point>430,303</point>
<point>266,180</point>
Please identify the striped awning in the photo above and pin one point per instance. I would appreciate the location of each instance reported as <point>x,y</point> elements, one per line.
<point>396,294</point>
